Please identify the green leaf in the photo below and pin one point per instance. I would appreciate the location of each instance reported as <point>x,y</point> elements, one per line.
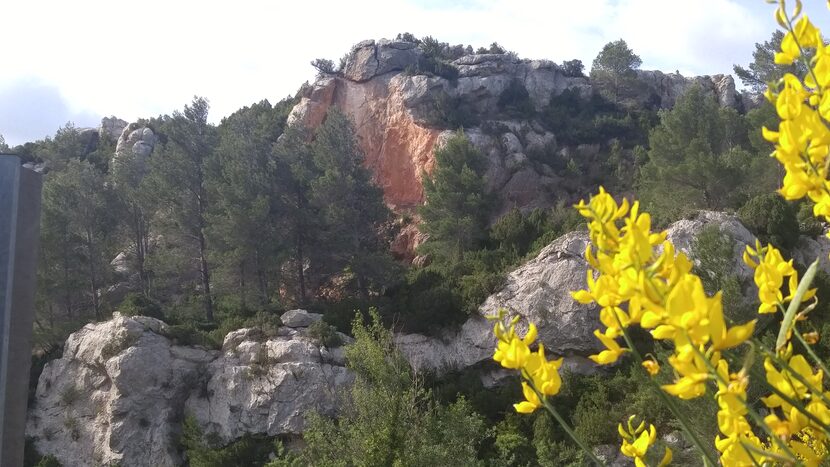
<point>795,304</point>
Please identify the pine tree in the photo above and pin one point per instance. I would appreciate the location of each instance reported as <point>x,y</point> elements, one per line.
<point>350,204</point>
<point>180,181</point>
<point>613,70</point>
<point>455,212</point>
<point>696,158</point>
<point>77,239</point>
<point>245,218</point>
<point>300,219</point>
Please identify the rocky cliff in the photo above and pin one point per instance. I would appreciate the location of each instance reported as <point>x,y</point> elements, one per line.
<point>397,109</point>
<point>122,387</point>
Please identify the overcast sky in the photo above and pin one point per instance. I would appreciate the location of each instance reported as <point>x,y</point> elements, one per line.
<point>81,60</point>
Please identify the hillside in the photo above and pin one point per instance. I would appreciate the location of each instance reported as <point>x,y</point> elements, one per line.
<point>206,289</point>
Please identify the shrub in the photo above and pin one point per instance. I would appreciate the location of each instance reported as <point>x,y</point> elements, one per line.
<point>573,68</point>
<point>187,334</point>
<point>449,112</point>
<point>771,219</point>
<point>515,100</point>
<point>140,305</point>
<point>249,450</point>
<point>324,334</point>
<point>48,461</point>
<point>808,224</point>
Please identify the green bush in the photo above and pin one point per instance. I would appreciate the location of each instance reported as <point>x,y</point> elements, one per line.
<point>715,253</point>
<point>515,101</point>
<point>48,461</point>
<point>771,219</point>
<point>188,335</point>
<point>808,224</point>
<point>250,450</point>
<point>140,305</point>
<point>324,334</point>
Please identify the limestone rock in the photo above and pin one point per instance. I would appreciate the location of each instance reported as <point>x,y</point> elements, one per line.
<point>683,233</point>
<point>369,59</point>
<point>132,150</point>
<point>663,89</point>
<point>539,292</point>
<point>112,127</point>
<point>121,390</point>
<point>808,249</point>
<point>115,396</point>
<point>268,387</point>
<point>299,318</point>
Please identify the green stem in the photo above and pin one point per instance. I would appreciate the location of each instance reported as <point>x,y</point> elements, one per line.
<point>749,410</point>
<point>565,425</point>
<point>672,405</point>
<point>800,407</point>
<point>791,372</point>
<point>795,304</point>
<point>810,351</point>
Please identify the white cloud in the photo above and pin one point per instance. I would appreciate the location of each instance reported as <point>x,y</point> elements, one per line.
<point>139,59</point>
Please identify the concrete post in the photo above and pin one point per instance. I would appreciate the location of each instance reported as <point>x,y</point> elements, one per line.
<point>19,238</point>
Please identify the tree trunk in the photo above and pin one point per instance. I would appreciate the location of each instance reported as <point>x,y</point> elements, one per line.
<point>140,249</point>
<point>93,283</point>
<point>242,284</point>
<point>205,273</point>
<point>300,270</point>
<point>67,294</point>
<point>261,279</point>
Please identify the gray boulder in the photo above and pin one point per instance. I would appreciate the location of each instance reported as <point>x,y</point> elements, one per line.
<point>268,386</point>
<point>116,395</point>
<point>369,58</point>
<point>121,390</point>
<point>299,318</point>
<point>539,292</point>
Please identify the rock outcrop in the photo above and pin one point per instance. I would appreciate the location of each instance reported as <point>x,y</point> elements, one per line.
<point>134,146</point>
<point>268,386</point>
<point>539,292</point>
<point>112,127</point>
<point>122,388</point>
<point>399,111</point>
<point>116,395</point>
<point>124,384</point>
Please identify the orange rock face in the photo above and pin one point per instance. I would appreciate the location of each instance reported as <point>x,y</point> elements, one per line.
<point>398,151</point>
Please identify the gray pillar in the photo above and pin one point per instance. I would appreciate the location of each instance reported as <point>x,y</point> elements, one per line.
<point>19,235</point>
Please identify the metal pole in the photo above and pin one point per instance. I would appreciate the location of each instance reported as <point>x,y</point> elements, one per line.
<point>19,236</point>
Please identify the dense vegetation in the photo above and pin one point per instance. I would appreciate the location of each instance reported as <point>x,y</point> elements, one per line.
<point>228,225</point>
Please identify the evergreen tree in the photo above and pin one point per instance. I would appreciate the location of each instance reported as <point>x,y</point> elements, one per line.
<point>763,68</point>
<point>78,227</point>
<point>301,220</point>
<point>247,210</point>
<point>455,212</point>
<point>388,418</point>
<point>180,172</point>
<point>613,70</point>
<point>350,204</point>
<point>696,158</point>
<point>130,184</point>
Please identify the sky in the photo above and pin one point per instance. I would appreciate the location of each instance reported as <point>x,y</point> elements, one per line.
<point>86,59</point>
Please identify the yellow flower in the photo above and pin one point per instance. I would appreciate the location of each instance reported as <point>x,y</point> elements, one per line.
<point>512,352</point>
<point>636,441</point>
<point>693,373</point>
<point>613,352</point>
<point>652,367</point>
<point>531,402</point>
<point>544,373</point>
